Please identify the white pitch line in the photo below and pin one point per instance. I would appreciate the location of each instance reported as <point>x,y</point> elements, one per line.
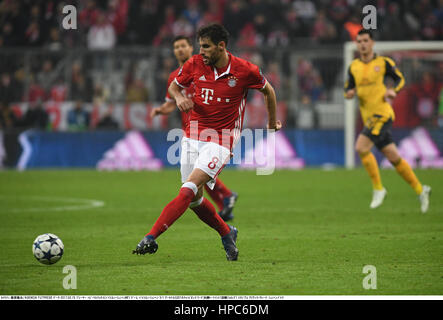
<point>77,204</point>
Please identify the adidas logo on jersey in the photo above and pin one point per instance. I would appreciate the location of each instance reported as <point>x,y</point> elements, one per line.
<point>202,78</point>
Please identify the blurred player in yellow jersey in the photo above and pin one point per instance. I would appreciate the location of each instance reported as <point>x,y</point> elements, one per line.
<point>367,78</point>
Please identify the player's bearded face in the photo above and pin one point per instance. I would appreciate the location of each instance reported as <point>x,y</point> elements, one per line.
<point>209,51</point>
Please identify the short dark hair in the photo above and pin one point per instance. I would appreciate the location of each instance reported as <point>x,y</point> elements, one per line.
<point>215,32</point>
<point>365,31</point>
<point>181,37</point>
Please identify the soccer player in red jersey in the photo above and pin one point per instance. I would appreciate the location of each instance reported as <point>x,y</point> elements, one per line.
<point>221,82</point>
<point>223,197</point>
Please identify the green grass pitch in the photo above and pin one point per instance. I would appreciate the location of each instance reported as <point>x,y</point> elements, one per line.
<point>300,233</point>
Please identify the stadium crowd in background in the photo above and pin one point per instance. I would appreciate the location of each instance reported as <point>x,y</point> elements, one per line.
<point>109,24</point>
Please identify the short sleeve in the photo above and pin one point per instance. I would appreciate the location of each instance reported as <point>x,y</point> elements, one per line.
<point>171,78</point>
<point>256,79</point>
<point>185,74</point>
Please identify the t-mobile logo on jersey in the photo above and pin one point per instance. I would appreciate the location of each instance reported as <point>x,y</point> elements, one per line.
<point>207,94</point>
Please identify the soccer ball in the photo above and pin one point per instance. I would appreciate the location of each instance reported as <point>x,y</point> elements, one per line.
<point>47,248</point>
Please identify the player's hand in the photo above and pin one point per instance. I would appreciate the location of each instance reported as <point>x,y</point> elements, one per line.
<point>276,127</point>
<point>390,95</point>
<point>184,104</point>
<point>155,112</point>
<point>350,94</point>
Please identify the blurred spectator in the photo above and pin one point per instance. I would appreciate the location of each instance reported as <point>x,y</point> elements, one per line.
<point>165,33</point>
<point>318,89</point>
<point>144,21</point>
<point>78,118</point>
<point>137,92</point>
<point>35,117</point>
<point>293,24</point>
<point>306,10</point>
<point>394,27</point>
<point>33,35</point>
<point>278,36</point>
<point>214,13</point>
<point>310,82</point>
<point>273,75</point>
<point>118,16</point>
<point>438,13</point>
<point>248,37</point>
<point>161,77</point>
<point>192,12</point>
<point>35,92</point>
<point>235,17</point>
<point>10,37</point>
<point>338,12</point>
<point>426,94</point>
<point>58,91</point>
<point>54,42</point>
<point>183,27</point>
<point>107,122</point>
<point>323,30</point>
<point>307,106</point>
<point>8,120</point>
<point>432,28</point>
<point>101,35</point>
<point>46,77</point>
<point>6,89</point>
<point>164,36</point>
<point>81,84</point>
<point>87,17</point>
<point>100,95</point>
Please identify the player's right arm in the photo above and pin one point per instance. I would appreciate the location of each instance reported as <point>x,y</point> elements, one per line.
<point>350,85</point>
<point>183,103</point>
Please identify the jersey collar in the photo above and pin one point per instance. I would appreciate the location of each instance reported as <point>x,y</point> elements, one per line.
<point>228,70</point>
<point>373,58</point>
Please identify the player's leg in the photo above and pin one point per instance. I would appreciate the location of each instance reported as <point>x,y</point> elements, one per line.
<point>405,171</point>
<point>215,196</point>
<point>363,147</point>
<point>229,200</point>
<point>175,208</point>
<point>203,208</point>
<point>211,160</point>
<point>224,198</point>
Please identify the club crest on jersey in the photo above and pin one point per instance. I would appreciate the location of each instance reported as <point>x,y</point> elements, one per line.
<point>377,68</point>
<point>232,81</point>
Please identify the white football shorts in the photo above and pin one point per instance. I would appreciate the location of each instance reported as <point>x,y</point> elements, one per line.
<point>207,156</point>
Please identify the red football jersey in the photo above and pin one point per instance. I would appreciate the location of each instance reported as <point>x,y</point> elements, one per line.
<point>219,97</point>
<point>187,92</point>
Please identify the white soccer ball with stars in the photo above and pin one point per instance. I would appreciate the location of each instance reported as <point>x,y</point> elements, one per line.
<point>48,248</point>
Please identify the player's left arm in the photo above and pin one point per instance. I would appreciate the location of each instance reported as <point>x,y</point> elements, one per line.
<point>166,108</point>
<point>395,74</point>
<point>271,106</point>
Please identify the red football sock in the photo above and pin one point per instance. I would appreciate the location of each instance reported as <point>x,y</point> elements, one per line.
<point>222,189</point>
<point>215,196</point>
<point>206,212</point>
<point>172,211</point>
